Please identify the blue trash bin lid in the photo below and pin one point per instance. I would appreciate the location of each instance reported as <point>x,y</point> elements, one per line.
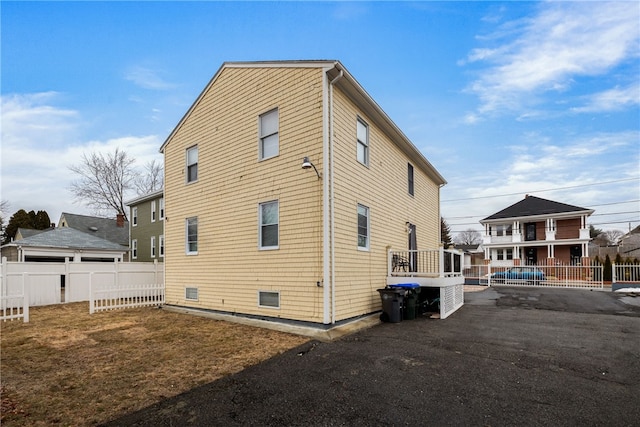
<point>404,286</point>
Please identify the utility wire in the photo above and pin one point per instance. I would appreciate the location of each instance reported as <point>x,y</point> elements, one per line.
<point>542,191</point>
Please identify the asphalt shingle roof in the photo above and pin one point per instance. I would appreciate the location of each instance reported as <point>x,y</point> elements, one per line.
<point>103,228</point>
<point>532,205</point>
<point>68,238</point>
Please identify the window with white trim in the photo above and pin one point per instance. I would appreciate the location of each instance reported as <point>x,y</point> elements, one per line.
<point>191,233</point>
<point>161,245</point>
<point>268,299</point>
<point>410,177</point>
<point>269,139</point>
<point>161,203</point>
<point>153,211</point>
<point>363,227</point>
<point>134,249</point>
<point>191,294</point>
<point>192,164</point>
<point>268,224</point>
<point>134,216</point>
<point>153,246</point>
<point>363,142</point>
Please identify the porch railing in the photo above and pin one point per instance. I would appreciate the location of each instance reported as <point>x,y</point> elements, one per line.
<point>425,263</point>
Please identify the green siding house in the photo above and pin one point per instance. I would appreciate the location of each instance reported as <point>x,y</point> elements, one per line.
<point>146,224</point>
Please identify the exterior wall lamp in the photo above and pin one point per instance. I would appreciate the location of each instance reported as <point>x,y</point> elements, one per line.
<point>306,164</point>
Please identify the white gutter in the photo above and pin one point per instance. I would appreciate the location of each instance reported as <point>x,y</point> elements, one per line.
<point>331,168</point>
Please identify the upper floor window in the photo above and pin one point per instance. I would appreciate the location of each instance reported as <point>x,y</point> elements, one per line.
<point>134,249</point>
<point>530,231</point>
<point>363,227</point>
<point>161,203</point>
<point>153,211</point>
<point>192,235</point>
<point>269,224</point>
<point>134,216</point>
<point>410,177</point>
<point>269,145</point>
<point>504,230</point>
<point>363,143</point>
<point>192,164</point>
<point>161,244</point>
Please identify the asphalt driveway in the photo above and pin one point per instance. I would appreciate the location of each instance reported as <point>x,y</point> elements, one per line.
<point>509,356</point>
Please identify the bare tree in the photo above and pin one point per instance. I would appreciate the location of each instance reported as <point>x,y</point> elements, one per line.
<point>613,236</point>
<point>4,213</point>
<point>151,180</point>
<point>469,237</point>
<point>104,180</point>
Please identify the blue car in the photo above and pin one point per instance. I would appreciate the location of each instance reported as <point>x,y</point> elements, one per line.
<point>531,275</point>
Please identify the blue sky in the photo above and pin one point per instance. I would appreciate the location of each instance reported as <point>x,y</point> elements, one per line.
<point>503,98</point>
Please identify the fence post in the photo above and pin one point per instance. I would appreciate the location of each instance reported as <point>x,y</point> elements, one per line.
<point>613,273</point>
<point>441,261</point>
<point>25,304</point>
<point>92,307</point>
<point>489,274</point>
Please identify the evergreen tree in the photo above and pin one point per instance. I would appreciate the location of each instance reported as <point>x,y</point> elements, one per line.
<point>22,219</point>
<point>445,232</point>
<point>606,273</point>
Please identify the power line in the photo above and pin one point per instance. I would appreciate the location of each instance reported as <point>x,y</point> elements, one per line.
<point>542,191</point>
<point>602,204</point>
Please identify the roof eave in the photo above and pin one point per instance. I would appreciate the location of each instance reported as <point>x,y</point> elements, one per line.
<point>571,214</point>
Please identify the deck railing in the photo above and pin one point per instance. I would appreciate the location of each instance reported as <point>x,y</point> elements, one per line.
<point>425,263</point>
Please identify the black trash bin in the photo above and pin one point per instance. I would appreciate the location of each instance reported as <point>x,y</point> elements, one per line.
<point>410,299</point>
<point>392,302</point>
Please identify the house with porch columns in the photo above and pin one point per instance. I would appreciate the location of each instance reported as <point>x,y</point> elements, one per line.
<point>536,230</point>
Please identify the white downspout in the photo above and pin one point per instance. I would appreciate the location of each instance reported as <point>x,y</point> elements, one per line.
<point>331,199</point>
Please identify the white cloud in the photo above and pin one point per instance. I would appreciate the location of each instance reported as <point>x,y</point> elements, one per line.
<point>571,171</point>
<point>39,143</point>
<point>147,78</point>
<point>611,100</point>
<point>563,41</point>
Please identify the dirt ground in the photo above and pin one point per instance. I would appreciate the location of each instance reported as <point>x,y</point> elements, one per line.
<point>67,367</point>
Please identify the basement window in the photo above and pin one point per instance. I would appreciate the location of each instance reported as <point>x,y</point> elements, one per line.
<point>269,299</point>
<point>191,294</point>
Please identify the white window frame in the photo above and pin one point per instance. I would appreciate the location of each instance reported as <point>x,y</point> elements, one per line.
<point>276,307</point>
<point>161,246</point>
<point>188,251</point>
<point>192,288</point>
<point>368,235</point>
<point>134,249</point>
<point>153,246</point>
<point>261,225</point>
<point>134,216</point>
<point>153,211</point>
<point>161,203</point>
<point>264,134</point>
<point>362,144</point>
<point>190,163</point>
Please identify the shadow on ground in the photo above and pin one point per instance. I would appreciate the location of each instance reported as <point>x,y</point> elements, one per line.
<point>508,357</point>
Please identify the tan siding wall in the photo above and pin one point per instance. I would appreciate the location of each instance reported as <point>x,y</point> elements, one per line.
<point>383,188</point>
<point>229,270</point>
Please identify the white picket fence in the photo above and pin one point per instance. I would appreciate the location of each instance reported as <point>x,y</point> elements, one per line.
<point>117,296</point>
<point>625,274</point>
<point>555,276</point>
<point>13,307</point>
<point>29,284</point>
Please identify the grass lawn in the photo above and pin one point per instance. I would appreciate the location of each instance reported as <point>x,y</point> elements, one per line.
<point>67,367</point>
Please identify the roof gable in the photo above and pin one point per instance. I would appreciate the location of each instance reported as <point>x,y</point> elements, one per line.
<point>335,71</point>
<point>104,228</point>
<point>534,206</point>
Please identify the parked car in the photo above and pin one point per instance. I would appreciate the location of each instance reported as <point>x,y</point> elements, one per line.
<point>531,275</point>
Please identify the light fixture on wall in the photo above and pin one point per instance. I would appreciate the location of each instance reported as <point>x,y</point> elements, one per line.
<point>306,164</point>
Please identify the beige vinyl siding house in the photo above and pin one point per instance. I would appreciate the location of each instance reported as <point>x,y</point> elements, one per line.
<point>275,240</point>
